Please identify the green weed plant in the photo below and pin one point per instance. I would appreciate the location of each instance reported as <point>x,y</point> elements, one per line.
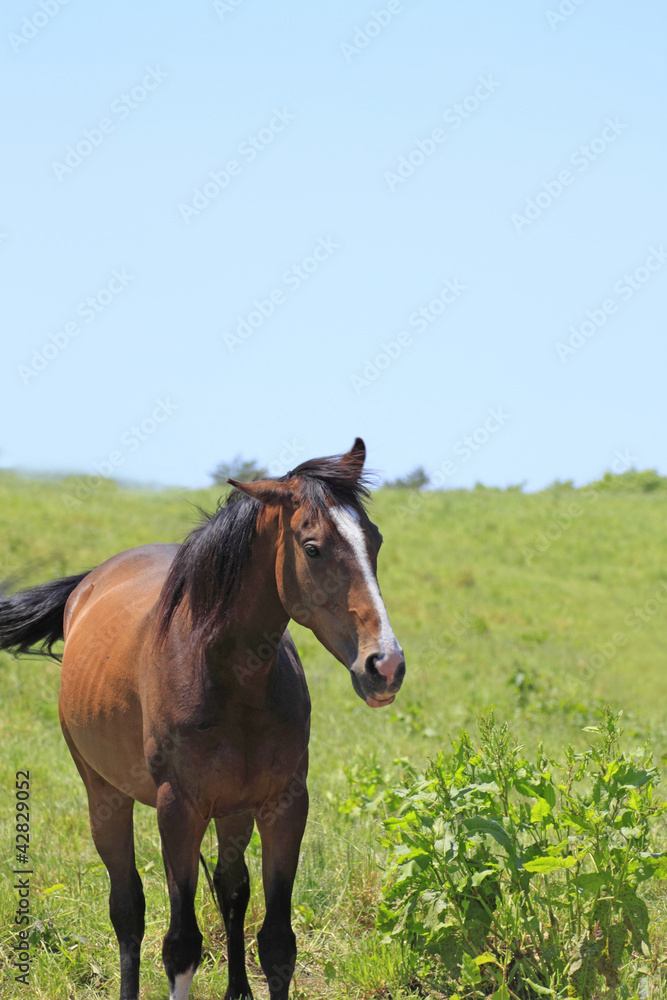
<point>516,878</point>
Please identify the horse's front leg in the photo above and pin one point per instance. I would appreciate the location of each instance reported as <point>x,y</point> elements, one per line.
<point>232,886</point>
<point>281,825</point>
<point>181,831</point>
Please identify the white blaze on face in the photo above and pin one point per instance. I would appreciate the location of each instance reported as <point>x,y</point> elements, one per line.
<point>348,523</point>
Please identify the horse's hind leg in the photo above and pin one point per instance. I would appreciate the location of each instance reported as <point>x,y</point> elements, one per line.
<point>232,886</point>
<point>112,829</point>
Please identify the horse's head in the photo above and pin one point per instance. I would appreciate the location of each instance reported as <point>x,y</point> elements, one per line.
<point>326,566</point>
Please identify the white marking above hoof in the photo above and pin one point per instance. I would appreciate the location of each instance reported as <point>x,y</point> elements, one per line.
<point>182,983</point>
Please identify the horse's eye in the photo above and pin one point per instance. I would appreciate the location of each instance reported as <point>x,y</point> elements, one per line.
<point>311,550</point>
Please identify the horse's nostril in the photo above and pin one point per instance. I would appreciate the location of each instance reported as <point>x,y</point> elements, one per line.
<point>380,667</point>
<point>371,661</point>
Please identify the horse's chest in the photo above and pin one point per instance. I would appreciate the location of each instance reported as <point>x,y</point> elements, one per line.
<point>239,780</point>
<point>232,766</point>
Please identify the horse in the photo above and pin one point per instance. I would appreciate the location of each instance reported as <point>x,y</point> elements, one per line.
<point>183,690</point>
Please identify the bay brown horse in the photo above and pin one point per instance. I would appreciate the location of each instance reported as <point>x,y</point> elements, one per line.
<point>182,689</point>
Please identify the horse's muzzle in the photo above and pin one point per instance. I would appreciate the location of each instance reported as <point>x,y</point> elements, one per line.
<point>380,678</point>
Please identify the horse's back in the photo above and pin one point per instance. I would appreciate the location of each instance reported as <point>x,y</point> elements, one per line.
<point>135,575</point>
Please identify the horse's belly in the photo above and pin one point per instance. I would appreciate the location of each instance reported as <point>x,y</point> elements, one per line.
<point>102,715</point>
<point>100,703</point>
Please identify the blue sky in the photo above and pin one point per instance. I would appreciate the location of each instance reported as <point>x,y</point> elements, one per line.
<point>259,229</point>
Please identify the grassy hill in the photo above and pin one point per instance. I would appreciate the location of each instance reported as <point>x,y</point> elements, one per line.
<point>541,606</point>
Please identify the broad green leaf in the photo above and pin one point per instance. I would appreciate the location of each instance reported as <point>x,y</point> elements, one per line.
<point>543,991</point>
<point>485,957</point>
<point>479,824</point>
<point>479,877</point>
<point>547,864</point>
<point>525,788</point>
<point>470,971</point>
<point>660,870</point>
<point>53,888</point>
<point>542,789</point>
<point>502,993</point>
<point>540,811</point>
<point>576,820</point>
<point>612,768</point>
<point>548,791</point>
<point>631,776</point>
<point>635,799</point>
<point>486,786</point>
<point>592,881</point>
<point>636,912</point>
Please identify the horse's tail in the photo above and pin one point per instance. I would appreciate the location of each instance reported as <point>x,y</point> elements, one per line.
<point>31,621</point>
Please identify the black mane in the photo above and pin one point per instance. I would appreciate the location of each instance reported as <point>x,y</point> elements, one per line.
<point>207,569</point>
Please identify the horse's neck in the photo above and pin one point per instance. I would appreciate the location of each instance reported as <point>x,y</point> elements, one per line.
<point>247,644</point>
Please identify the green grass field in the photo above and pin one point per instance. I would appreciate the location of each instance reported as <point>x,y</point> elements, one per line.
<point>542,606</point>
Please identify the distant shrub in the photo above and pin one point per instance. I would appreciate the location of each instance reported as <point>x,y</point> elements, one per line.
<point>631,481</point>
<point>515,878</point>
<point>241,469</point>
<point>510,488</point>
<point>561,484</point>
<point>415,480</point>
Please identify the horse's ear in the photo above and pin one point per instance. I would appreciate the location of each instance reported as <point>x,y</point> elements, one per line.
<point>268,491</point>
<point>356,457</point>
